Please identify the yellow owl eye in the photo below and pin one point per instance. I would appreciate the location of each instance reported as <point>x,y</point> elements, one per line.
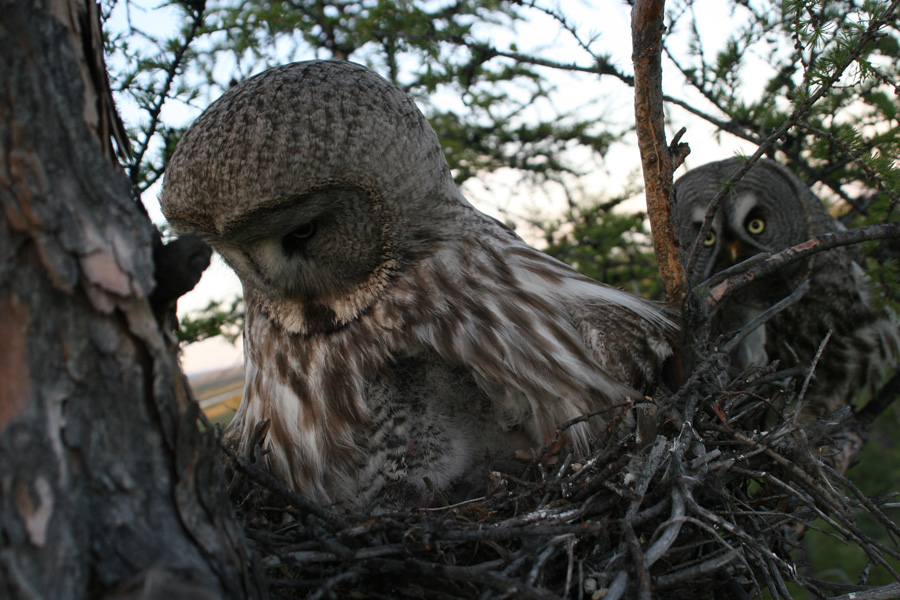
<point>304,231</point>
<point>756,226</point>
<point>710,239</point>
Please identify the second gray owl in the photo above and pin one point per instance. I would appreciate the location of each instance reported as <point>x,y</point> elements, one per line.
<point>771,209</point>
<point>398,340</point>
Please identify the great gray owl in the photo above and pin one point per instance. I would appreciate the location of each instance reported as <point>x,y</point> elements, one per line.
<point>395,336</point>
<point>771,209</point>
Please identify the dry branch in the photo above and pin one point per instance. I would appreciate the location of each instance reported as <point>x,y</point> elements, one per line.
<point>766,263</point>
<point>658,160</point>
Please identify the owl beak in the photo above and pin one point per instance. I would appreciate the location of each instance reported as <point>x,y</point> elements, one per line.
<point>733,251</point>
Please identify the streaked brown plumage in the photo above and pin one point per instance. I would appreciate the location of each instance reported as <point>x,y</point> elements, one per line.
<point>393,333</point>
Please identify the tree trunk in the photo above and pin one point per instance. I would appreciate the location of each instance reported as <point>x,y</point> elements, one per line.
<point>107,486</point>
<point>657,159</point>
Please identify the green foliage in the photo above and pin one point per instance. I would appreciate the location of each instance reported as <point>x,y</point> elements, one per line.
<point>147,73</point>
<point>842,140</point>
<point>220,317</point>
<point>430,49</point>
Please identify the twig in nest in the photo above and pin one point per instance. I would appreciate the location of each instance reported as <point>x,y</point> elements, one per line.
<point>825,241</point>
<point>672,527</point>
<point>812,370</point>
<point>268,480</point>
<point>707,567</point>
<point>765,316</point>
<point>886,592</point>
<point>741,267</point>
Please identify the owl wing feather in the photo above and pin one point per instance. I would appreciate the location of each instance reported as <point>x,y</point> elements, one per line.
<point>546,343</point>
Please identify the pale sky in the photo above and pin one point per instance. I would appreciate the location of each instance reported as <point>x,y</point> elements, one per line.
<point>612,99</point>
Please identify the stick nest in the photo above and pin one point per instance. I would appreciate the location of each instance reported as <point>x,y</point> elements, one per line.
<point>686,504</point>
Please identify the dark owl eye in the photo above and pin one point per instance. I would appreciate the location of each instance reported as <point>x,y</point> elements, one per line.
<point>296,239</point>
<point>304,232</point>
<point>756,226</point>
<point>710,239</point>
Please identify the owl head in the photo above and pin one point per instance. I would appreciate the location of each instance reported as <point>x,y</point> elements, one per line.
<point>768,210</point>
<point>313,203</point>
<point>771,209</point>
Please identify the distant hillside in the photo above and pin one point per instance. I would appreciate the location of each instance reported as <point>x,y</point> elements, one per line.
<point>206,385</point>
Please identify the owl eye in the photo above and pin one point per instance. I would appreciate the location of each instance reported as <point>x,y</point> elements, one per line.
<point>304,231</point>
<point>756,226</point>
<point>710,239</point>
<point>294,241</point>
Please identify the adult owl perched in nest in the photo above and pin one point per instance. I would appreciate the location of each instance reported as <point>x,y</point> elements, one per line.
<point>771,209</point>
<point>395,336</point>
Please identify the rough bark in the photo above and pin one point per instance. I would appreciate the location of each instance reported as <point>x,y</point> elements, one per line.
<point>658,160</point>
<point>107,486</point>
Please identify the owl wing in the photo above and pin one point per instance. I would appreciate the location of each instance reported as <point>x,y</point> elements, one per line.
<point>621,338</point>
<point>545,343</point>
<point>865,341</point>
<point>632,349</point>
